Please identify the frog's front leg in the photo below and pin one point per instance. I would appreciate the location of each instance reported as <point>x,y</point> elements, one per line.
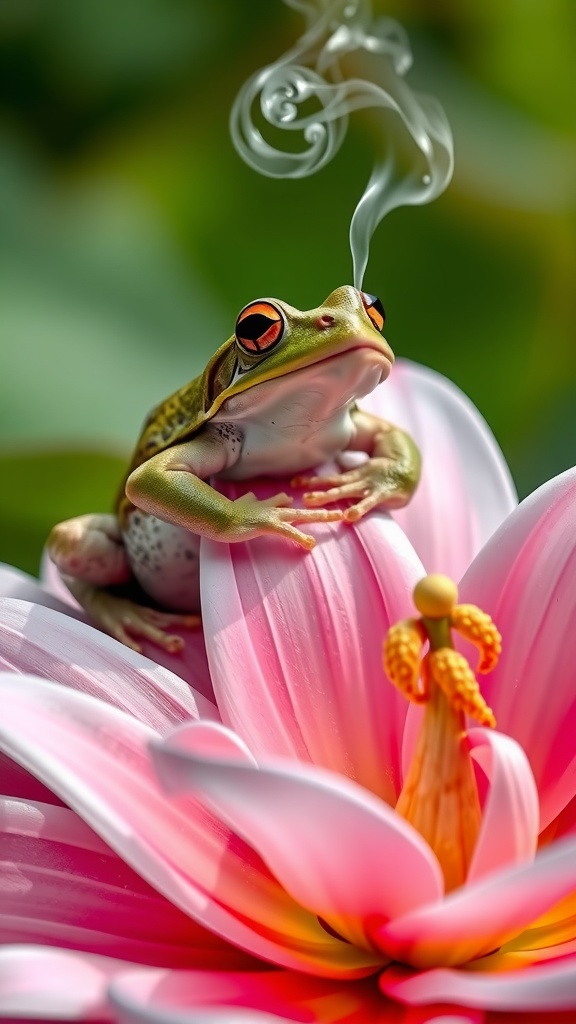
<point>172,486</point>
<point>389,477</point>
<point>90,556</point>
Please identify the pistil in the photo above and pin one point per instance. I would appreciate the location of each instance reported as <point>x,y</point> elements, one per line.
<point>440,795</point>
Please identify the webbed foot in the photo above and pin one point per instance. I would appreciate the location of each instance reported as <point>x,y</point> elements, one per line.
<point>127,621</point>
<point>375,482</point>
<point>255,517</point>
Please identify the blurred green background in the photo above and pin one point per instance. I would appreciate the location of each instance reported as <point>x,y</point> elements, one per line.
<point>131,233</point>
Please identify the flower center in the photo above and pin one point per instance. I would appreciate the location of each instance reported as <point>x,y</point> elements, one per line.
<point>440,796</point>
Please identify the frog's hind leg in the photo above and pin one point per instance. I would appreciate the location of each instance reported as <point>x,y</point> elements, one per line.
<point>90,548</point>
<point>90,555</point>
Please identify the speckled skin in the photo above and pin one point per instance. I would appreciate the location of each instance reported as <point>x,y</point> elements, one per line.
<point>280,414</point>
<point>164,560</point>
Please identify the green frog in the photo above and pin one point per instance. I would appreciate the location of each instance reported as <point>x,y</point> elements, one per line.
<point>278,399</point>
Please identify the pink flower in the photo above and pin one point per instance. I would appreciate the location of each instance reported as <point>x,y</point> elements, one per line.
<point>183,856</point>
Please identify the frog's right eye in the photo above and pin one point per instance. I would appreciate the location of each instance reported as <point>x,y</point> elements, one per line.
<point>259,328</point>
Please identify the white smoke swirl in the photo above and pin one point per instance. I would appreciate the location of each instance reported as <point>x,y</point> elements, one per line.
<point>344,31</point>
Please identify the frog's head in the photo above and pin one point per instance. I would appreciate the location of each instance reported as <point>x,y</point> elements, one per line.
<point>342,337</point>
<point>336,352</point>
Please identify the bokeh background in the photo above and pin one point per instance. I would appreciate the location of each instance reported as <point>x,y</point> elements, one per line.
<point>131,233</point>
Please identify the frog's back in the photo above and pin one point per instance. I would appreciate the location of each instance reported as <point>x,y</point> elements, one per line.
<point>180,416</point>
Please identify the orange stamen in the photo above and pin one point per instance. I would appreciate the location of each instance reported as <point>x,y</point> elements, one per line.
<point>440,796</point>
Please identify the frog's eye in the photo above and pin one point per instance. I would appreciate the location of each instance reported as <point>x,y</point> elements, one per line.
<point>375,310</point>
<point>259,327</point>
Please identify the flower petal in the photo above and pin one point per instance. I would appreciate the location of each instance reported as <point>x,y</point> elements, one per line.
<point>337,849</point>
<point>274,997</point>
<point>211,740</point>
<point>53,584</point>
<point>19,585</point>
<point>524,578</point>
<point>61,885</point>
<point>482,916</point>
<point>545,988</point>
<point>45,984</point>
<point>294,639</point>
<point>466,490</point>
<point>510,816</point>
<point>57,647</point>
<point>96,758</point>
<point>190,664</point>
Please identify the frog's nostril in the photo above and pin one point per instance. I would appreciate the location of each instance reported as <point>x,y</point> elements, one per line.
<point>324,321</point>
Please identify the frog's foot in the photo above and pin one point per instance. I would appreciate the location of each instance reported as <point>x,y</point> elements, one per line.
<point>375,482</point>
<point>275,515</point>
<point>126,621</point>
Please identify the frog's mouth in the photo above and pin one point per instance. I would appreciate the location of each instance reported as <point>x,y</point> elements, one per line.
<point>362,345</point>
<point>354,345</point>
<point>378,354</point>
<point>325,386</point>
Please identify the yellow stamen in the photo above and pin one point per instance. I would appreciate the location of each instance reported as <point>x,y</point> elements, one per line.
<point>459,684</point>
<point>402,649</point>
<point>440,796</point>
<point>478,628</point>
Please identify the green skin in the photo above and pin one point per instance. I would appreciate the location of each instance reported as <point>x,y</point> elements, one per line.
<point>281,413</point>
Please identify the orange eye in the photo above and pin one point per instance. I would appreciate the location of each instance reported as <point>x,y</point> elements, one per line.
<point>375,310</point>
<point>259,327</point>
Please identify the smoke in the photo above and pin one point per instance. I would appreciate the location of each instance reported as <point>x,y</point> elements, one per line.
<point>314,87</point>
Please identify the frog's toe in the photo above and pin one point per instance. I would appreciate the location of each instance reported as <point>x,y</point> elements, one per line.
<point>172,619</point>
<point>356,512</point>
<point>131,623</point>
<point>136,625</point>
<point>349,489</point>
<point>316,481</point>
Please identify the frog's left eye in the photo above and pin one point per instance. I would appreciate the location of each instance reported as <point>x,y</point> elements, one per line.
<point>259,327</point>
<point>375,310</point>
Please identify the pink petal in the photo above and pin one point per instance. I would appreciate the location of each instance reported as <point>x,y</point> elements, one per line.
<point>545,988</point>
<point>480,917</point>
<point>203,997</point>
<point>466,490</point>
<point>19,585</point>
<point>57,647</point>
<point>61,885</point>
<point>294,644</point>
<point>96,758</point>
<point>524,578</point>
<point>17,782</point>
<point>191,664</point>
<point>44,984</point>
<point>52,583</point>
<point>337,849</point>
<point>510,816</point>
<point>211,740</point>
<point>276,997</point>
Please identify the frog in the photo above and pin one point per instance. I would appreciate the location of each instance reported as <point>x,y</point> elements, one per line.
<point>278,399</point>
